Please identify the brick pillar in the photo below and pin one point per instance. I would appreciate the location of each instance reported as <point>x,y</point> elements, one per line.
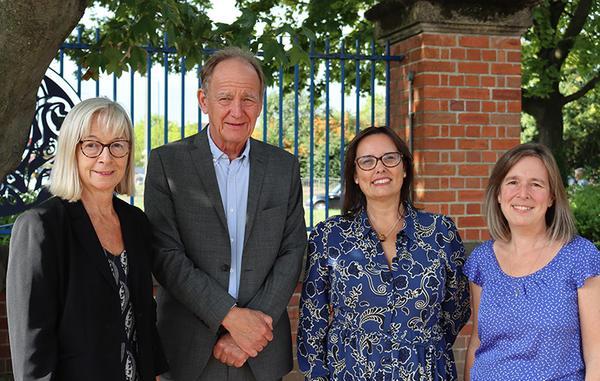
<point>463,61</point>
<point>5,365</point>
<point>293,313</point>
<point>465,65</point>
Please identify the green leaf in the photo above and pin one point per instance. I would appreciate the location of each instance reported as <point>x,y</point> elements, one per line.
<point>297,55</point>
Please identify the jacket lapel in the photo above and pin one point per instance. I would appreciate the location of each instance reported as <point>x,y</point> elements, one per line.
<point>88,240</point>
<point>258,163</point>
<point>203,161</point>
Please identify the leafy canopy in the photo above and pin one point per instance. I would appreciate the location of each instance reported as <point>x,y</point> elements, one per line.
<point>281,30</point>
<point>561,50</point>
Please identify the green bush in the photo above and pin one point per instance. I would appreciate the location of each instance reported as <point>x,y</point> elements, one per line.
<point>585,203</point>
<point>28,198</point>
<point>4,238</point>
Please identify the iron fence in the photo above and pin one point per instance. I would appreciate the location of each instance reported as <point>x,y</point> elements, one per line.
<point>329,126</point>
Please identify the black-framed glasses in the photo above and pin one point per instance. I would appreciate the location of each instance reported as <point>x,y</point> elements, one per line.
<point>93,148</point>
<point>369,162</point>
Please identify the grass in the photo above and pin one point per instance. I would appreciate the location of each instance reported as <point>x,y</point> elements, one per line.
<point>318,215</point>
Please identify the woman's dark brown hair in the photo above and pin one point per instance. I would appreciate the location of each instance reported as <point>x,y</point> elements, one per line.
<point>354,198</point>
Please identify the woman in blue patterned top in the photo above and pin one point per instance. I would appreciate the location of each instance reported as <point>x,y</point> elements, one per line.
<point>384,296</point>
<point>535,287</point>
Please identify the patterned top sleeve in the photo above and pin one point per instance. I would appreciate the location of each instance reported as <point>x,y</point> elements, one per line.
<point>314,309</point>
<point>455,307</point>
<point>588,261</point>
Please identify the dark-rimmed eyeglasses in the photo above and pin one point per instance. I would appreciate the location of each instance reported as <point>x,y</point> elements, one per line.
<point>93,148</point>
<point>369,162</point>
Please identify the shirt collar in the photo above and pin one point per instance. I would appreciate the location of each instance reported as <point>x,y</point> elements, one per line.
<point>216,152</point>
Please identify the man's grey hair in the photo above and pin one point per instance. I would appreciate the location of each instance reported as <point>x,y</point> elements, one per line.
<point>232,52</point>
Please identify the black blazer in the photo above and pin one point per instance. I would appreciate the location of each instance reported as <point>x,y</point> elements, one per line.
<point>62,301</point>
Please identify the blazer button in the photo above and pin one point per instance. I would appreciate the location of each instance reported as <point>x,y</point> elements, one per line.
<point>225,267</point>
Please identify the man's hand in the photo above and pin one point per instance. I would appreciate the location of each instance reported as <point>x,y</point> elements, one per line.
<point>250,329</point>
<point>228,352</point>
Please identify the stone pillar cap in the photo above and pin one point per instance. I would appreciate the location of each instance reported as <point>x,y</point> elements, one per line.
<point>397,20</point>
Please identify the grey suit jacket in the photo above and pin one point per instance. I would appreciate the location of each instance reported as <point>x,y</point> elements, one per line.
<point>191,240</point>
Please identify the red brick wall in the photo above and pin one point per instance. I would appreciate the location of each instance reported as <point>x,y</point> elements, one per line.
<point>467,109</point>
<point>5,366</point>
<point>295,375</point>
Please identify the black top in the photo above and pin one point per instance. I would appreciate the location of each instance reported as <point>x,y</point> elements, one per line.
<point>64,312</point>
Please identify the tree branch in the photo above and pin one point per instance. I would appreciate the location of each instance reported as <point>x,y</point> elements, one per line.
<point>530,103</point>
<point>584,90</point>
<point>580,16</point>
<point>578,19</point>
<point>555,12</point>
<point>557,8</point>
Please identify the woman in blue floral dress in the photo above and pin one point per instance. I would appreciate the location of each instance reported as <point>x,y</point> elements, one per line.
<point>384,295</point>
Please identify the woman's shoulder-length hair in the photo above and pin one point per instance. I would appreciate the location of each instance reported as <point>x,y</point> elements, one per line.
<point>354,198</point>
<point>559,219</point>
<point>101,112</point>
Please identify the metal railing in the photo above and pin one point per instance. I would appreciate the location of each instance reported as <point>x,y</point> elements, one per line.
<point>319,70</point>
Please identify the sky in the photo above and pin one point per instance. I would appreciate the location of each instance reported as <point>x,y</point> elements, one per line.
<point>223,11</point>
<point>182,92</point>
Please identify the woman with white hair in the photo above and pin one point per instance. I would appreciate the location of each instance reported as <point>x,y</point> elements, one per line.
<point>79,285</point>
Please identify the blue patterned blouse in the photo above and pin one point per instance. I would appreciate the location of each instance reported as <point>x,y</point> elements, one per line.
<point>529,326</point>
<point>362,320</point>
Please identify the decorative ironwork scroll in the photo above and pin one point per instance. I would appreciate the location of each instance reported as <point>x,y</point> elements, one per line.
<point>24,187</point>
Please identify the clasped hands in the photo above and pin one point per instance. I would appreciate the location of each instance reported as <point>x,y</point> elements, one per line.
<point>248,332</point>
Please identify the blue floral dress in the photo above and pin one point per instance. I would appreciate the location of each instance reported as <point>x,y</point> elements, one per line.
<point>361,319</point>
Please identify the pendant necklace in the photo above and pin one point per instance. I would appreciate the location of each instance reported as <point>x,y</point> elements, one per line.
<point>381,236</point>
<point>531,267</point>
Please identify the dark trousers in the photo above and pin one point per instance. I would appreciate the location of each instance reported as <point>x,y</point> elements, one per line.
<point>217,371</point>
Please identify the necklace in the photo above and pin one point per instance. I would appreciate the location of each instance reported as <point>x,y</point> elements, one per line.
<point>528,272</point>
<point>382,237</point>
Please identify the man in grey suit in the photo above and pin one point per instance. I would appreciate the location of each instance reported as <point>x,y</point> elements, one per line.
<point>229,235</point>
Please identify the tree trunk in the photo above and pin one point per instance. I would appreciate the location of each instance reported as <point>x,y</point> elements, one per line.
<point>548,114</point>
<point>31,34</point>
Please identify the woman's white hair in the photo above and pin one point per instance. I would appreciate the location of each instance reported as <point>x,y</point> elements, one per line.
<point>100,112</point>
